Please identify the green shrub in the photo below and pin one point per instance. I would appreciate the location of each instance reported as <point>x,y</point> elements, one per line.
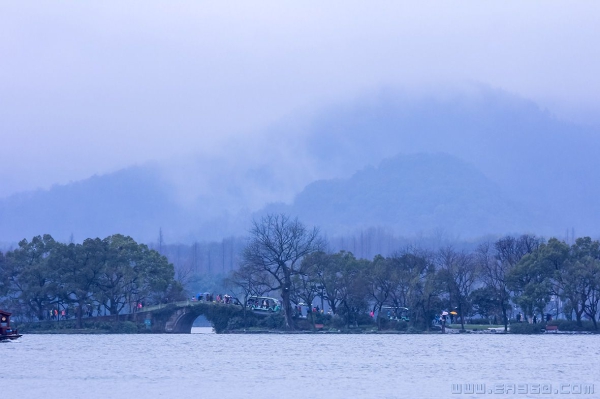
<point>235,323</point>
<point>275,320</point>
<point>401,325</point>
<point>364,319</point>
<point>104,326</point>
<point>238,321</point>
<point>219,315</point>
<point>46,325</point>
<point>385,323</point>
<point>568,325</point>
<point>303,324</point>
<point>338,322</point>
<point>478,321</point>
<point>526,328</point>
<point>126,327</point>
<point>321,318</point>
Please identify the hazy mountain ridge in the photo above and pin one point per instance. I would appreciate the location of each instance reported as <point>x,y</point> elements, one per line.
<point>533,157</point>
<point>521,170</point>
<point>135,201</point>
<point>126,201</point>
<point>408,194</point>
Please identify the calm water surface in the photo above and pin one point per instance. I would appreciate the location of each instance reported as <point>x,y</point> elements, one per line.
<point>205,365</point>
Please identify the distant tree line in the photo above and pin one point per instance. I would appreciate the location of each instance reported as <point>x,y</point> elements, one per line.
<point>283,257</point>
<point>523,273</point>
<point>201,265</point>
<point>98,276</point>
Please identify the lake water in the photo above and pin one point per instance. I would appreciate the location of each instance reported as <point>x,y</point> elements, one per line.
<point>205,365</point>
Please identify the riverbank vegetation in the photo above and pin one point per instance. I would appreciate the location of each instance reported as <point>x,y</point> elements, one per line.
<point>523,278</point>
<point>86,327</point>
<point>523,281</point>
<point>44,279</point>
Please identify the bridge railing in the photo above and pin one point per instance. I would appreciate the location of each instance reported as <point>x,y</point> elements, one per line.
<point>164,305</point>
<point>187,302</point>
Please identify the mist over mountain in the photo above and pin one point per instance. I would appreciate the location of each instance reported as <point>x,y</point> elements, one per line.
<point>135,201</point>
<point>497,163</point>
<point>129,200</point>
<point>408,194</point>
<point>524,149</point>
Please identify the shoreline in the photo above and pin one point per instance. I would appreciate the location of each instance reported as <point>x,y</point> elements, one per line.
<point>301,332</point>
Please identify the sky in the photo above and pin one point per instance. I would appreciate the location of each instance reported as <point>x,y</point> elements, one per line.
<point>91,87</point>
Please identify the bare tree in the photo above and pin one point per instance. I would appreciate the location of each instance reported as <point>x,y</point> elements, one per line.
<point>277,245</point>
<point>183,274</point>
<point>246,282</point>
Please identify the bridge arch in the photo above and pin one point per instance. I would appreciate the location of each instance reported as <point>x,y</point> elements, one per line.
<point>178,318</point>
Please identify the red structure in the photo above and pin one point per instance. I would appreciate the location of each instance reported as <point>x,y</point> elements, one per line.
<point>6,331</point>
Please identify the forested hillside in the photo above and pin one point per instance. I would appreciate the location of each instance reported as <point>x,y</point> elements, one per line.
<point>410,194</point>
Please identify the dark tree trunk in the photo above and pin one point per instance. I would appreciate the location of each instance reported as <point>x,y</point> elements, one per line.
<point>505,318</point>
<point>245,307</point>
<point>579,313</point>
<point>79,315</point>
<point>287,303</point>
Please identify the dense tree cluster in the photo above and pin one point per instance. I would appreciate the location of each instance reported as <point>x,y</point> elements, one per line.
<point>570,273</point>
<point>283,258</point>
<point>106,276</point>
<point>513,274</point>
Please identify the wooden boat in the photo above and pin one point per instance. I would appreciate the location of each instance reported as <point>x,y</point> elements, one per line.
<point>6,331</point>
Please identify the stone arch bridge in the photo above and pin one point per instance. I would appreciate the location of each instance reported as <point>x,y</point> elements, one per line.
<point>178,317</point>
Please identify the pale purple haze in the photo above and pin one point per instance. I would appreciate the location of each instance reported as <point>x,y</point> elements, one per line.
<point>91,87</point>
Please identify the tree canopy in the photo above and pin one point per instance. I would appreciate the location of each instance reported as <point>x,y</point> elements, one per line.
<point>277,246</point>
<point>109,275</point>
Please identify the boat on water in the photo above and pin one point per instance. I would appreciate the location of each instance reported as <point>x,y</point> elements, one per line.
<point>6,331</point>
